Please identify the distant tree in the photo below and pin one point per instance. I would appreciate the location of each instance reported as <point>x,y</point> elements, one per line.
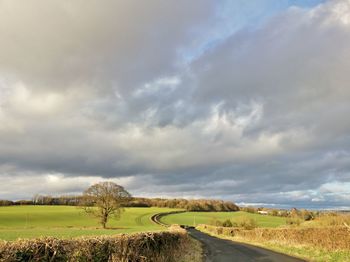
<point>23,202</point>
<point>274,212</point>
<point>294,212</point>
<point>4,202</point>
<point>250,209</point>
<point>284,213</point>
<point>104,200</point>
<point>306,215</point>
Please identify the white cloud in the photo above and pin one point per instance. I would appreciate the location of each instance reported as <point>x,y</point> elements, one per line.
<point>55,184</point>
<point>104,94</point>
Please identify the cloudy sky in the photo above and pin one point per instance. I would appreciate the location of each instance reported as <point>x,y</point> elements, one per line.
<point>247,101</point>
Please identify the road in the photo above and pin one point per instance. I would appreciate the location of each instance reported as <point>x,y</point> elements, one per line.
<point>221,250</point>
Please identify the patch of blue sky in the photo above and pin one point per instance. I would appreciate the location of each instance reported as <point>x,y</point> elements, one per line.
<point>304,3</point>
<point>235,15</point>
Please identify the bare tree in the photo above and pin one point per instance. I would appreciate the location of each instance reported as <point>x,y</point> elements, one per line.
<point>104,200</point>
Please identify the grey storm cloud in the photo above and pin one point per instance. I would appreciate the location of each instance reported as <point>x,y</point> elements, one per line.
<point>93,90</point>
<point>109,44</point>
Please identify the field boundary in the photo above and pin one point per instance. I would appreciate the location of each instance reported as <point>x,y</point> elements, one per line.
<point>158,246</point>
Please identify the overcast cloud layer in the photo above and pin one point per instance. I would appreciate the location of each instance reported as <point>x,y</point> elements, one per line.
<point>177,99</point>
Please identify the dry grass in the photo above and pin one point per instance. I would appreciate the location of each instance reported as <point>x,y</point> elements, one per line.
<point>157,246</point>
<point>314,244</point>
<point>328,238</point>
<point>192,249</point>
<point>193,252</point>
<point>332,220</point>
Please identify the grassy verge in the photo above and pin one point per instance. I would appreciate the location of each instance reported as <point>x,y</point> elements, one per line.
<point>193,252</point>
<point>302,251</point>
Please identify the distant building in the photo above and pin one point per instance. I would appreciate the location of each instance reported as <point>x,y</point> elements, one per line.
<point>263,212</point>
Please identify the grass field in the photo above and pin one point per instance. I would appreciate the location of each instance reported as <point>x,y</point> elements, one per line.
<point>65,221</point>
<point>196,218</point>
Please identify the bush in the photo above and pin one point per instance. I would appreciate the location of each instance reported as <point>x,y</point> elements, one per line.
<point>274,212</point>
<point>215,222</point>
<point>245,222</point>
<point>294,221</point>
<point>249,210</point>
<point>306,215</point>
<point>227,223</point>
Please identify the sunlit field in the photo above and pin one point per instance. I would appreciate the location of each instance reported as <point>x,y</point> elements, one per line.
<point>66,221</point>
<point>196,218</point>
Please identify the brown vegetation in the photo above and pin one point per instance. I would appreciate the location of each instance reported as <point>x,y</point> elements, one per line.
<point>329,238</point>
<point>332,219</point>
<point>159,246</point>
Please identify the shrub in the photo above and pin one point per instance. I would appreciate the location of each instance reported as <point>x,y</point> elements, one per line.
<point>227,223</point>
<point>274,212</point>
<point>306,215</point>
<point>294,221</point>
<point>249,209</point>
<point>245,222</point>
<point>215,222</point>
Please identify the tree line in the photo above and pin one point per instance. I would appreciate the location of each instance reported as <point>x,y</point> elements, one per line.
<point>79,200</point>
<point>188,204</point>
<point>302,214</point>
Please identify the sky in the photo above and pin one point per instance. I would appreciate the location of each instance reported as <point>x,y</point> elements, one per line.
<point>238,100</point>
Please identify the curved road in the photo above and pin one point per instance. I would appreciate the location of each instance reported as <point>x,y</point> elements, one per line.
<point>221,250</point>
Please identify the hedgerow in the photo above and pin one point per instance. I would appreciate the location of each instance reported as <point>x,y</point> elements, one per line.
<point>327,238</point>
<point>155,246</point>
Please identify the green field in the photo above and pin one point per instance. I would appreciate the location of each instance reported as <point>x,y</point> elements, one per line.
<point>66,221</point>
<point>196,218</point>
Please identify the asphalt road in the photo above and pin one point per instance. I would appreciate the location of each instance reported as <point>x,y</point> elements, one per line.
<point>221,250</point>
